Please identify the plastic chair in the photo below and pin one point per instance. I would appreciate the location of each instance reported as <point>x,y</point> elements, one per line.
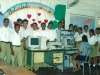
<point>88,53</point>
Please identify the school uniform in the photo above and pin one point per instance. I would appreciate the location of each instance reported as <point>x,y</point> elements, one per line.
<point>78,37</point>
<point>5,35</point>
<point>58,29</point>
<point>92,40</point>
<point>16,44</point>
<point>98,46</point>
<point>24,34</point>
<point>86,33</point>
<point>44,33</point>
<point>52,35</point>
<point>36,33</point>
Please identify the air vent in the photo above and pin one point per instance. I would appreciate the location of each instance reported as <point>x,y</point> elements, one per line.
<point>75,2</point>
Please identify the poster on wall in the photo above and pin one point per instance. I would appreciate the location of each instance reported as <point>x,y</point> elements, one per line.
<point>81,20</point>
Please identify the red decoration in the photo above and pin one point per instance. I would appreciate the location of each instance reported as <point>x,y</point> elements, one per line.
<point>39,22</point>
<point>45,20</point>
<point>31,25</point>
<point>33,20</point>
<point>37,28</point>
<point>39,14</point>
<point>14,22</point>
<point>29,16</point>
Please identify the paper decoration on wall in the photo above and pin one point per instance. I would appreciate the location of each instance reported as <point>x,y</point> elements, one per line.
<point>34,12</point>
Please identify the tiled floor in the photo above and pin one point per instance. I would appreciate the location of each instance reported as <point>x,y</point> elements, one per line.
<point>51,71</point>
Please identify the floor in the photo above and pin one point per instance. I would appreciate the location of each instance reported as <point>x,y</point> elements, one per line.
<point>51,71</point>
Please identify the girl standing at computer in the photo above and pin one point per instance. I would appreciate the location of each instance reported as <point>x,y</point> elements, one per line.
<point>78,37</point>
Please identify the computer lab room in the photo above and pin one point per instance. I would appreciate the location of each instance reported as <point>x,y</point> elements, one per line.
<point>49,37</point>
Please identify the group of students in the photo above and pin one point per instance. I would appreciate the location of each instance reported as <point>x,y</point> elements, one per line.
<point>84,38</point>
<point>12,40</point>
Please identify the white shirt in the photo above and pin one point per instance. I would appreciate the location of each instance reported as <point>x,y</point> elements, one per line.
<point>26,32</point>
<point>78,37</point>
<point>5,33</point>
<point>35,33</point>
<point>98,38</point>
<point>86,33</point>
<point>44,33</point>
<point>58,29</point>
<point>16,38</point>
<point>52,35</point>
<point>92,40</point>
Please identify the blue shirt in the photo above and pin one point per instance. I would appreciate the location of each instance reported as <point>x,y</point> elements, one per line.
<point>84,46</point>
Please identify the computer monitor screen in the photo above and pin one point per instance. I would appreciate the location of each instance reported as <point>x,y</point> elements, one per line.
<point>34,41</point>
<point>70,41</point>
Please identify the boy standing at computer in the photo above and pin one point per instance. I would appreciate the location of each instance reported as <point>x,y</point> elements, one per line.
<point>25,32</point>
<point>15,46</point>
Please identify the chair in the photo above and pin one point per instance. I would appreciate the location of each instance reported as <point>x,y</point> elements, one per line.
<point>88,53</point>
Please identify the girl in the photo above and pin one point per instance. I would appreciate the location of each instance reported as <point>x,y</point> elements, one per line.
<point>98,46</point>
<point>92,40</point>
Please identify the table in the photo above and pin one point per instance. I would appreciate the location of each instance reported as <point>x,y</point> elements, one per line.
<point>52,57</point>
<point>39,58</point>
<point>11,70</point>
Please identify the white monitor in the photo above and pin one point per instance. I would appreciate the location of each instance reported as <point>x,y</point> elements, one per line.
<point>67,42</point>
<point>32,42</point>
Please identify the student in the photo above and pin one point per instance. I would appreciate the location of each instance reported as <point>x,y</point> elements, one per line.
<point>92,40</point>
<point>98,46</point>
<point>43,31</point>
<point>78,37</point>
<point>25,32</point>
<point>71,27</point>
<point>5,35</point>
<point>59,26</point>
<point>35,32</point>
<point>75,28</point>
<point>81,54</point>
<point>52,33</point>
<point>86,30</point>
<point>15,46</point>
<point>19,21</point>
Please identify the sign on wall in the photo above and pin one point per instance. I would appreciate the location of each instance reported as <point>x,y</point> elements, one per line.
<point>81,20</point>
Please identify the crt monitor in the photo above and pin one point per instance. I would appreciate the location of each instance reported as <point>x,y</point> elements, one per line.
<point>68,42</point>
<point>32,42</point>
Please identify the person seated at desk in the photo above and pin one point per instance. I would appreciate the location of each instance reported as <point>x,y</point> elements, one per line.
<point>81,54</point>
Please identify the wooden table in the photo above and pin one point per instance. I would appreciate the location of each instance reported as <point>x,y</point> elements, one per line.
<point>3,64</point>
<point>12,70</point>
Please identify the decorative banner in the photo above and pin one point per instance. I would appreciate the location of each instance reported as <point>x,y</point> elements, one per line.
<point>81,20</point>
<point>34,12</point>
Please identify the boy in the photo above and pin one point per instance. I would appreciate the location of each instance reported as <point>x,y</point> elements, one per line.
<point>59,26</point>
<point>52,33</point>
<point>5,35</point>
<point>35,32</point>
<point>15,46</point>
<point>25,32</point>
